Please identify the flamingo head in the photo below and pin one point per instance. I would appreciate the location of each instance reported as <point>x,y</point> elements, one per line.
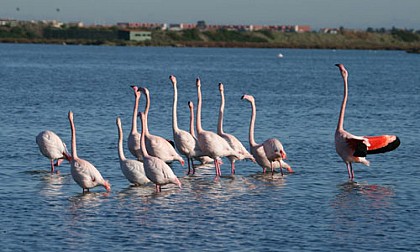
<point>144,90</point>
<point>135,88</point>
<point>249,98</point>
<point>190,104</point>
<point>107,185</point>
<point>66,153</point>
<point>70,115</point>
<point>343,70</point>
<point>221,87</point>
<point>198,82</point>
<point>283,154</point>
<point>173,79</point>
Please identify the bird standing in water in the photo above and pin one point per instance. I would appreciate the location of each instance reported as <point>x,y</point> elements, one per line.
<point>353,149</point>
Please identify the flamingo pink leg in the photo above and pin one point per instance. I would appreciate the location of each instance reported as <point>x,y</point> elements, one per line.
<point>350,171</point>
<point>232,169</point>
<point>52,166</point>
<point>189,166</point>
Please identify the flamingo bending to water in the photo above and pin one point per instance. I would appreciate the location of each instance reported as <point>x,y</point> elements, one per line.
<point>184,141</point>
<point>133,140</point>
<point>52,147</point>
<point>210,143</point>
<point>270,150</point>
<point>83,172</point>
<point>353,149</point>
<point>236,145</point>
<point>158,146</point>
<point>155,168</point>
<point>133,170</point>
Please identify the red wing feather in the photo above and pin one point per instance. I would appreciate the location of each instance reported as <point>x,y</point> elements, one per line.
<point>381,144</point>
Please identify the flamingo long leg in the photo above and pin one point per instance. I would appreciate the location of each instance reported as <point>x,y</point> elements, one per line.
<point>189,166</point>
<point>52,166</point>
<point>232,169</point>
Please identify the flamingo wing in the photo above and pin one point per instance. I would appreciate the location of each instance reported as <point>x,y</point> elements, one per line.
<point>358,145</point>
<point>382,144</point>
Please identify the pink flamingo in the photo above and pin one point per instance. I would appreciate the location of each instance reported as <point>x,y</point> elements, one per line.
<point>210,143</point>
<point>202,159</point>
<point>52,147</point>
<point>156,169</point>
<point>134,136</point>
<point>270,150</point>
<point>184,141</point>
<point>133,170</point>
<point>353,149</point>
<point>83,172</point>
<point>158,146</point>
<point>236,145</point>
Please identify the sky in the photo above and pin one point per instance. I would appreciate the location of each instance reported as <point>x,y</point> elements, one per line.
<point>356,14</point>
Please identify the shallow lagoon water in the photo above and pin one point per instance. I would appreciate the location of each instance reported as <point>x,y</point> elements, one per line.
<point>298,99</point>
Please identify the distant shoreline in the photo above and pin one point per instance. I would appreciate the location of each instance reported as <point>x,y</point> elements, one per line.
<point>197,44</point>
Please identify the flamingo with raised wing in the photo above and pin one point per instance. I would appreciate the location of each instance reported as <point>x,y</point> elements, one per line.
<point>52,147</point>
<point>83,172</point>
<point>267,153</point>
<point>158,146</point>
<point>353,149</point>
<point>155,168</point>
<point>211,143</point>
<point>236,145</point>
<point>132,169</point>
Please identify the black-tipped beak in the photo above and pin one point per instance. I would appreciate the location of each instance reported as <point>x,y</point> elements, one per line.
<point>243,96</point>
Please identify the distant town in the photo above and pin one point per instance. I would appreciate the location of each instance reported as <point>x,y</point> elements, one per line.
<point>207,35</point>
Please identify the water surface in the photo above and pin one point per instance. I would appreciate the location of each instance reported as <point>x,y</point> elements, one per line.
<point>298,98</point>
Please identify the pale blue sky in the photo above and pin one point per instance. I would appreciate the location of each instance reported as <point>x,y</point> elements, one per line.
<point>317,13</point>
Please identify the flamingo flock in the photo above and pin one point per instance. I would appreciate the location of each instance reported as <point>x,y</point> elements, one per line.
<point>153,154</point>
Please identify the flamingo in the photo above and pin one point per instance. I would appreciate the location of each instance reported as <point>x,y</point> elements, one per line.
<point>158,146</point>
<point>156,169</point>
<point>210,143</point>
<point>353,149</point>
<point>52,147</point>
<point>83,172</point>
<point>134,136</point>
<point>236,145</point>
<point>133,170</point>
<point>184,141</point>
<point>202,159</point>
<point>269,151</point>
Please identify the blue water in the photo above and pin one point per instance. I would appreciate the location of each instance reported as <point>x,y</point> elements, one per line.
<point>298,98</point>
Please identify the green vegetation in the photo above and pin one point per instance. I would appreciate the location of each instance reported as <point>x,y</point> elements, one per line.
<point>396,39</point>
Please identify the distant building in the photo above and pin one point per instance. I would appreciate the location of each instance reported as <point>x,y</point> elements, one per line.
<point>135,35</point>
<point>201,25</point>
<point>146,26</point>
<point>181,26</point>
<point>8,22</point>
<point>329,30</point>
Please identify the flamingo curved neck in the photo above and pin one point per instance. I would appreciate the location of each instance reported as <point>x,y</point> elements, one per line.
<point>252,124</point>
<point>340,124</point>
<point>120,143</point>
<point>221,112</point>
<point>73,139</point>
<point>135,112</point>
<point>174,110</point>
<point>192,122</point>
<point>198,122</point>
<point>142,137</point>
<point>147,107</point>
